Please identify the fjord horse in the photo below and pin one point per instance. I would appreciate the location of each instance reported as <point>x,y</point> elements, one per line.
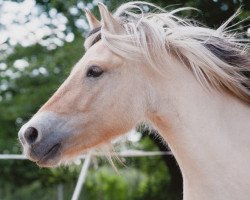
<point>187,81</point>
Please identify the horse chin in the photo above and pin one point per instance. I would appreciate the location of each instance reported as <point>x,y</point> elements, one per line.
<point>49,162</point>
<point>52,158</point>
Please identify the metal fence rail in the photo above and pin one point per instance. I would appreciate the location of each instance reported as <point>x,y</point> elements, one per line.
<point>127,153</point>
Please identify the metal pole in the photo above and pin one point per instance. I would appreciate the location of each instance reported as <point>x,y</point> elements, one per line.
<point>60,191</point>
<point>82,177</point>
<point>12,156</point>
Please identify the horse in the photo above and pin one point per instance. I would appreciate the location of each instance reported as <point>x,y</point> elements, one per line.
<point>187,81</point>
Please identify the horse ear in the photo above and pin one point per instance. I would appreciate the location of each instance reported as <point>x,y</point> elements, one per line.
<point>108,21</point>
<point>93,22</point>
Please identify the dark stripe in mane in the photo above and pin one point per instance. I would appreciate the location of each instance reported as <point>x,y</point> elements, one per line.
<point>92,32</point>
<point>226,53</point>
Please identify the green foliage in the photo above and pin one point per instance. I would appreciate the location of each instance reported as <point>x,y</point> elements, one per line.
<point>141,179</point>
<point>24,95</point>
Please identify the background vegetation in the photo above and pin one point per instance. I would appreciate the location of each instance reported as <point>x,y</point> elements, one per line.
<point>33,66</point>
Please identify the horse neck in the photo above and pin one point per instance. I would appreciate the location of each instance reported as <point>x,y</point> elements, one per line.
<point>208,133</point>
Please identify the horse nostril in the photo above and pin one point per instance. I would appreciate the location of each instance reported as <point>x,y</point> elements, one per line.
<point>31,135</point>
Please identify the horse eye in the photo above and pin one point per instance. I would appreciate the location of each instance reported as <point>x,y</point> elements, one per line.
<point>94,71</point>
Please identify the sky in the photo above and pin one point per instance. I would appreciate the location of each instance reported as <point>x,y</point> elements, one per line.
<point>25,23</point>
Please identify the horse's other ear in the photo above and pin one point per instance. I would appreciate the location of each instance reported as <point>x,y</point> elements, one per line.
<point>108,21</point>
<point>93,22</point>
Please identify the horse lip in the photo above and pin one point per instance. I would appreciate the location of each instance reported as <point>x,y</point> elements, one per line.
<point>49,154</point>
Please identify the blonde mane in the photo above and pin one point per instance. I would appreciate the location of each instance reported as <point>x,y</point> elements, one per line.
<point>218,58</point>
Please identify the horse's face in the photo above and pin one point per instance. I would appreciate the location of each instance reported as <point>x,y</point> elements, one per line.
<point>99,100</point>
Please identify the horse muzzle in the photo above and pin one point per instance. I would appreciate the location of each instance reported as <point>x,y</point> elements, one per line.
<point>43,138</point>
